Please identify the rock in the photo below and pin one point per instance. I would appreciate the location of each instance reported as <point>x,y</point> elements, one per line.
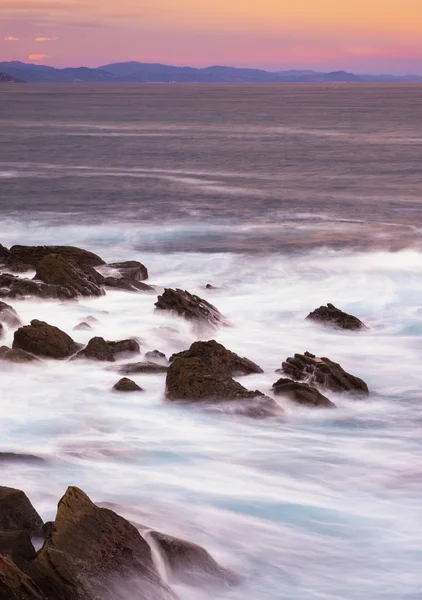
<point>79,280</point>
<point>2,331</point>
<point>218,358</point>
<point>142,367</point>
<point>17,513</point>
<point>155,356</point>
<point>301,393</point>
<point>17,546</point>
<point>9,316</point>
<point>16,355</point>
<point>15,585</point>
<point>100,349</point>
<point>330,315</point>
<point>15,457</point>
<point>323,372</point>
<point>82,327</point>
<point>4,254</point>
<point>32,255</point>
<point>91,320</point>
<point>190,307</point>
<point>189,563</point>
<point>131,269</point>
<point>128,285</point>
<point>127,385</point>
<point>94,554</point>
<point>12,286</point>
<point>42,339</point>
<point>210,287</point>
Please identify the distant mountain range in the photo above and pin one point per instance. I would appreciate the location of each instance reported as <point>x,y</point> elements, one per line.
<point>136,72</point>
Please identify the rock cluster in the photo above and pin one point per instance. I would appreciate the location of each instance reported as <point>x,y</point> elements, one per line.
<point>191,307</point>
<point>330,315</point>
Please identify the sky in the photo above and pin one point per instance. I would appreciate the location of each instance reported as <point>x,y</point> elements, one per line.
<point>364,36</point>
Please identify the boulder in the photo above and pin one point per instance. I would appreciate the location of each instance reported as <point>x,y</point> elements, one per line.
<point>142,367</point>
<point>17,546</point>
<point>42,339</point>
<point>330,315</point>
<point>17,513</point>
<point>189,563</point>
<point>16,355</point>
<point>32,255</point>
<point>324,372</point>
<point>12,286</point>
<point>191,307</point>
<point>155,356</point>
<point>129,285</point>
<point>9,316</point>
<point>218,358</point>
<point>131,269</point>
<point>82,327</point>
<point>92,553</point>
<point>15,585</point>
<point>127,385</point>
<point>53,269</point>
<point>301,393</point>
<point>100,349</point>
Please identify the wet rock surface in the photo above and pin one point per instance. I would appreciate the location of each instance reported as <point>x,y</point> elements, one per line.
<point>191,307</point>
<point>9,316</point>
<point>127,385</point>
<point>42,339</point>
<point>30,256</point>
<point>130,269</point>
<point>301,393</point>
<point>15,585</point>
<point>142,367</point>
<point>78,280</point>
<point>323,372</point>
<point>15,355</point>
<point>218,358</point>
<point>100,349</point>
<point>17,546</point>
<point>330,315</point>
<point>128,285</point>
<point>17,512</point>
<point>12,286</point>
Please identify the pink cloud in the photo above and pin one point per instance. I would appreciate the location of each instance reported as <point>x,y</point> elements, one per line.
<point>10,38</point>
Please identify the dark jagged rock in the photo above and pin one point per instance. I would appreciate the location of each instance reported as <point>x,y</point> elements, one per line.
<point>330,315</point>
<point>55,270</point>
<point>301,393</point>
<point>17,513</point>
<point>18,457</point>
<point>155,356</point>
<point>190,307</point>
<point>142,367</point>
<point>12,286</point>
<point>324,372</point>
<point>219,359</point>
<point>129,285</point>
<point>131,269</point>
<point>15,585</point>
<point>42,339</point>
<point>9,316</point>
<point>189,563</point>
<point>92,553</point>
<point>127,385</point>
<point>100,349</point>
<point>4,254</point>
<point>16,355</point>
<point>82,327</point>
<point>17,546</point>
<point>32,255</point>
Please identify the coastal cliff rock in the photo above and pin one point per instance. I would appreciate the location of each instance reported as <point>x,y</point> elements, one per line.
<point>219,359</point>
<point>324,372</point>
<point>301,393</point>
<point>17,512</point>
<point>92,553</point>
<point>42,339</point>
<point>330,315</point>
<point>79,280</point>
<point>191,307</point>
<point>15,585</point>
<point>100,349</point>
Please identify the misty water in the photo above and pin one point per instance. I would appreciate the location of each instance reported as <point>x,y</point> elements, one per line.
<point>285,198</point>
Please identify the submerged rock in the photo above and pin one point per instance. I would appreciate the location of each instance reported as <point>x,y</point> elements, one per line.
<point>127,385</point>
<point>324,372</point>
<point>19,457</point>
<point>42,339</point>
<point>94,554</point>
<point>15,585</point>
<point>17,546</point>
<point>301,393</point>
<point>191,307</point>
<point>218,358</point>
<point>82,327</point>
<point>100,349</point>
<point>77,280</point>
<point>155,356</point>
<point>9,316</point>
<point>330,315</point>
<point>189,563</point>
<point>142,367</point>
<point>16,355</point>
<point>32,255</point>
<point>129,285</point>
<point>2,331</point>
<point>17,512</point>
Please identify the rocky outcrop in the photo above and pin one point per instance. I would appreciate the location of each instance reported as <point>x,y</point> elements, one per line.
<point>219,359</point>
<point>12,286</point>
<point>30,256</point>
<point>17,513</point>
<point>330,315</point>
<point>78,280</point>
<point>142,367</point>
<point>189,563</point>
<point>127,385</point>
<point>191,307</point>
<point>100,349</point>
<point>15,355</point>
<point>17,546</point>
<point>15,585</point>
<point>301,393</point>
<point>130,269</point>
<point>155,356</point>
<point>9,316</point>
<point>42,339</point>
<point>129,285</point>
<point>92,553</point>
<point>324,372</point>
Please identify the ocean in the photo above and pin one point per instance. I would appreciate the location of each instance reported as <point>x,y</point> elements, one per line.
<point>284,198</point>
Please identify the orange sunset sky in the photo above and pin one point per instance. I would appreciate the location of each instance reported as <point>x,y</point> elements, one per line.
<point>382,36</point>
